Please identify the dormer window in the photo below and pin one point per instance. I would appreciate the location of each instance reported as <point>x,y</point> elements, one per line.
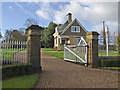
<point>75,29</point>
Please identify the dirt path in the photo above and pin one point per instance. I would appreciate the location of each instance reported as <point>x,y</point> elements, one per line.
<point>61,74</point>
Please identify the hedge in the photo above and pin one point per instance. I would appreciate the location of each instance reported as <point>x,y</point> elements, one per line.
<point>16,70</point>
<point>110,63</point>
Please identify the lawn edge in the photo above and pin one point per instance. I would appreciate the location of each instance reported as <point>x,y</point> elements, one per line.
<point>37,81</point>
<point>109,69</point>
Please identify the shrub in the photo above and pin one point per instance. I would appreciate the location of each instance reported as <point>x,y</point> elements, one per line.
<point>16,70</point>
<point>110,63</point>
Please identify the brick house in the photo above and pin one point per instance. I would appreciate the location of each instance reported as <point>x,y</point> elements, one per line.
<point>69,33</point>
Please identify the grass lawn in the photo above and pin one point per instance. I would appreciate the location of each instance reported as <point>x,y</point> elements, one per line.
<point>58,54</point>
<point>7,53</point>
<point>111,53</point>
<point>112,67</point>
<point>48,49</point>
<point>20,82</point>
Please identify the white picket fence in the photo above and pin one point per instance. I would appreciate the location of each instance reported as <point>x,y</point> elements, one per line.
<point>13,52</point>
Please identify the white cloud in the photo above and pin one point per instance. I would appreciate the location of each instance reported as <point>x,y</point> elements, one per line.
<point>46,11</point>
<point>10,7</point>
<point>95,13</point>
<point>42,14</point>
<point>60,0</point>
<point>113,26</point>
<point>98,27</point>
<point>59,17</point>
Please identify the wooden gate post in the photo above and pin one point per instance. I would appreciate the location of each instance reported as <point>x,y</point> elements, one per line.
<point>33,47</point>
<point>92,41</point>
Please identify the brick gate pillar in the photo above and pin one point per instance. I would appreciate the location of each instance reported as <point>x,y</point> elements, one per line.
<point>92,41</point>
<point>33,47</point>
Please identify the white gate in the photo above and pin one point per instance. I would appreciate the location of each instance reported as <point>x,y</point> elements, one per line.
<point>76,53</point>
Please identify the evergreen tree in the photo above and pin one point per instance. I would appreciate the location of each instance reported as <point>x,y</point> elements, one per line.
<point>47,35</point>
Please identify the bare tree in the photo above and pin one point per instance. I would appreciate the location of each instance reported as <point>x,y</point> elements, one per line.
<point>8,34</point>
<point>118,39</point>
<point>111,36</point>
<point>15,35</point>
<point>0,33</point>
<point>18,35</point>
<point>101,40</point>
<point>22,30</point>
<point>118,42</point>
<point>30,21</point>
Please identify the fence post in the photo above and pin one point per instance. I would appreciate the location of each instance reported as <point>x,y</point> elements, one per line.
<point>33,47</point>
<point>107,40</point>
<point>92,41</point>
<point>64,51</point>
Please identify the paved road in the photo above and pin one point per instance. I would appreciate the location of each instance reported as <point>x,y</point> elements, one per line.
<point>61,74</point>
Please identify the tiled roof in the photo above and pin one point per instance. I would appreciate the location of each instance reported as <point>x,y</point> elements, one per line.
<point>63,27</point>
<point>66,25</point>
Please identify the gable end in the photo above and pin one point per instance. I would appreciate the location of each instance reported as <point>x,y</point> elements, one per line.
<point>70,24</point>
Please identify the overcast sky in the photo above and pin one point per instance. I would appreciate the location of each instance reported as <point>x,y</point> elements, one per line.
<point>89,14</point>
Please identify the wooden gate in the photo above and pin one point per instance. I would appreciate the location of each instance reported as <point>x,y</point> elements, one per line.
<point>76,53</point>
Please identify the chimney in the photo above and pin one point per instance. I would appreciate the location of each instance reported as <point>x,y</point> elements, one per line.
<point>69,17</point>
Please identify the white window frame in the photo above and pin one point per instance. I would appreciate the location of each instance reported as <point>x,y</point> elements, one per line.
<point>76,30</point>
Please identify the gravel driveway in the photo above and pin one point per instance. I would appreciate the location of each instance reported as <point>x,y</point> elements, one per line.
<point>58,73</point>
